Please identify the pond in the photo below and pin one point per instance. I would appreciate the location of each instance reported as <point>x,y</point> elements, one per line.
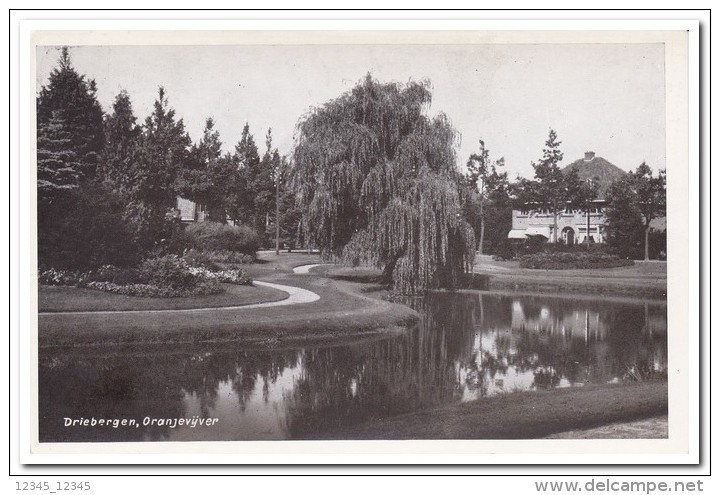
<point>467,346</point>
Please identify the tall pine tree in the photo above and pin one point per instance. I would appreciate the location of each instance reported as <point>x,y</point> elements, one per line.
<point>58,166</point>
<point>210,177</point>
<point>623,220</point>
<point>261,183</point>
<point>69,142</point>
<point>166,150</point>
<point>122,165</point>
<point>69,131</point>
<point>552,188</point>
<point>247,160</point>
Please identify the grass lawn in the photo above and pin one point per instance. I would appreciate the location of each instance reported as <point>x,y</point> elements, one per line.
<point>520,415</point>
<point>641,269</point>
<point>643,280</point>
<point>268,263</point>
<point>343,312</point>
<point>61,299</point>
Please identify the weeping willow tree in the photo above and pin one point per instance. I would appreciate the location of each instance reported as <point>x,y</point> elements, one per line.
<point>378,184</point>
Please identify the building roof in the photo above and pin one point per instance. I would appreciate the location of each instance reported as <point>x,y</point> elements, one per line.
<point>596,166</point>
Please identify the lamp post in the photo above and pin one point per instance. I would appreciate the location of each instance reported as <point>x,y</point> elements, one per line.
<point>277,211</point>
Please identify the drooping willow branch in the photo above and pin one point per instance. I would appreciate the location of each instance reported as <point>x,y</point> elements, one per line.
<point>378,183</point>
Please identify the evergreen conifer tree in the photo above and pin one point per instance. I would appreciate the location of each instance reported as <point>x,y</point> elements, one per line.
<point>122,164</point>
<point>69,131</point>
<point>166,150</point>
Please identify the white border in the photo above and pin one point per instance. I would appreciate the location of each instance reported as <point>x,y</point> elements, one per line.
<point>455,451</point>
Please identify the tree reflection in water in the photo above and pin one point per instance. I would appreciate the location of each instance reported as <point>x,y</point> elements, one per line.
<point>351,384</point>
<point>466,346</point>
<point>159,385</point>
<point>551,342</point>
<point>102,387</point>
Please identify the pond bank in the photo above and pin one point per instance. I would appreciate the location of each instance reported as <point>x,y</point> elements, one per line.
<point>521,415</point>
<point>342,312</point>
<point>346,313</point>
<point>643,280</point>
<point>597,287</point>
<point>655,427</point>
<point>638,281</point>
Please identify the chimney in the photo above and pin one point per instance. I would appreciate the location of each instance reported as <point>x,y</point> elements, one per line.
<point>589,155</point>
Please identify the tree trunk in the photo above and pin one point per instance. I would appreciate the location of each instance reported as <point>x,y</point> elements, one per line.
<point>482,226</point>
<point>647,249</point>
<point>555,226</point>
<point>277,216</point>
<point>387,276</point>
<point>482,235</point>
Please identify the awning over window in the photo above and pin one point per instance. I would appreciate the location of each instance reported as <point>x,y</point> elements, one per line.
<point>517,234</point>
<point>543,231</point>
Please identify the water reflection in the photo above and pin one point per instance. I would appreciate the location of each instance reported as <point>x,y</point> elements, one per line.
<point>554,342</point>
<point>466,347</point>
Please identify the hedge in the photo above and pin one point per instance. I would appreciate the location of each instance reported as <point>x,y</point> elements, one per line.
<point>212,259</point>
<point>210,236</point>
<point>568,261</point>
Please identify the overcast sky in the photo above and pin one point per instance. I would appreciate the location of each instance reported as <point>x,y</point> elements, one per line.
<point>607,98</point>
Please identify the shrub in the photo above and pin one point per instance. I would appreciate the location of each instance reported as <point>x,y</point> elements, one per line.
<point>578,248</point>
<point>201,259</point>
<point>212,259</point>
<point>114,274</point>
<point>210,236</point>
<point>168,271</point>
<point>180,241</point>
<point>531,245</point>
<point>505,251</point>
<point>86,230</point>
<point>565,261</point>
<point>231,257</point>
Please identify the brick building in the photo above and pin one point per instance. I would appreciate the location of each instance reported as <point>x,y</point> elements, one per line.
<point>574,226</point>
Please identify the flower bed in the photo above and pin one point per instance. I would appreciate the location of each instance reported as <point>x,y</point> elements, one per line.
<point>232,276</point>
<point>145,290</point>
<point>51,276</point>
<point>569,261</point>
<point>166,276</point>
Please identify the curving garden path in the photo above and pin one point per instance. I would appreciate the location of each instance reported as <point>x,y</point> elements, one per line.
<point>296,295</point>
<point>305,269</point>
<point>317,309</point>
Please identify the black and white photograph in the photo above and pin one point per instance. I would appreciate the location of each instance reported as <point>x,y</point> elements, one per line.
<point>338,238</point>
